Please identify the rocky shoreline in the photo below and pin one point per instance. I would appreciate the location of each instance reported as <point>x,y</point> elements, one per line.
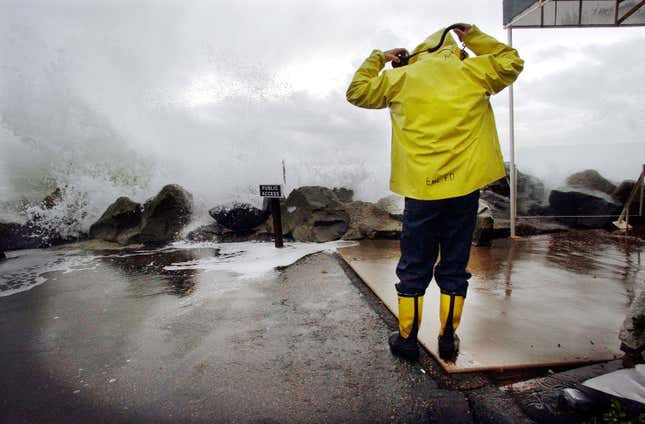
<point>321,214</point>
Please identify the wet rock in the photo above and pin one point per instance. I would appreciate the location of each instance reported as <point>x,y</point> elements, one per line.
<point>632,333</point>
<point>240,216</point>
<point>501,187</point>
<point>53,199</point>
<point>165,215</point>
<point>119,223</point>
<point>499,207</point>
<point>219,234</point>
<point>392,204</point>
<point>14,236</point>
<point>530,191</point>
<point>485,226</point>
<point>591,179</point>
<point>345,195</point>
<point>493,207</point>
<point>622,192</point>
<point>498,204</point>
<point>542,398</point>
<point>261,233</point>
<point>313,213</point>
<point>366,220</point>
<point>210,232</point>
<point>44,228</point>
<point>593,209</point>
<point>56,221</point>
<point>159,220</point>
<point>534,227</point>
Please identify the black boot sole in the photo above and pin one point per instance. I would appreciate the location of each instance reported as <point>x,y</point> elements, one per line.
<point>448,347</point>
<point>408,349</point>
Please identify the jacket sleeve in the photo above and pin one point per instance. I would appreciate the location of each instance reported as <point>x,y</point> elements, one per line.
<point>368,89</point>
<point>496,65</point>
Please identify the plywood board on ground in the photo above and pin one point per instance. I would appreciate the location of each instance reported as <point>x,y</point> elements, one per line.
<point>541,301</point>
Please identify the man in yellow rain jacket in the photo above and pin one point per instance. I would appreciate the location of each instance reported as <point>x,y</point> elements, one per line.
<point>444,149</point>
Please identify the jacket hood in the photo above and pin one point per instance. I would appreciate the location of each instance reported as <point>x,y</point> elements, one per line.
<point>432,41</point>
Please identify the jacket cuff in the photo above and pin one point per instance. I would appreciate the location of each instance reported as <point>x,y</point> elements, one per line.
<point>378,54</point>
<point>472,33</point>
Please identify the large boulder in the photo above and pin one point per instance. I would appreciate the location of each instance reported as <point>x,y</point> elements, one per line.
<point>591,179</point>
<point>239,216</point>
<point>530,190</point>
<point>160,220</point>
<point>313,213</point>
<point>584,208</point>
<point>367,220</point>
<point>120,222</point>
<point>165,215</point>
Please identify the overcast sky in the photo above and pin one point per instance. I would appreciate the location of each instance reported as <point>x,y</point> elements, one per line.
<point>214,94</point>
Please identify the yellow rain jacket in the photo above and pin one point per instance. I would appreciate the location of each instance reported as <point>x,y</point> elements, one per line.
<point>444,139</point>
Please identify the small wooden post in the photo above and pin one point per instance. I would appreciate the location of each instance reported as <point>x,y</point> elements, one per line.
<point>641,182</point>
<point>274,192</point>
<point>277,222</point>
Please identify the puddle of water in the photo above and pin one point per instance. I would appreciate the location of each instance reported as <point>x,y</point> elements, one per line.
<point>26,269</point>
<point>176,266</point>
<point>581,256</point>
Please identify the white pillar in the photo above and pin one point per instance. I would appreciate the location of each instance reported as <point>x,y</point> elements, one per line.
<point>511,132</point>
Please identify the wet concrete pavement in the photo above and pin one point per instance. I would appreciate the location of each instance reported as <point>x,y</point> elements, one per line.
<point>544,301</point>
<point>114,343</point>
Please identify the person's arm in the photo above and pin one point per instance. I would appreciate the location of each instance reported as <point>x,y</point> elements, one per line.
<point>368,89</point>
<point>496,65</point>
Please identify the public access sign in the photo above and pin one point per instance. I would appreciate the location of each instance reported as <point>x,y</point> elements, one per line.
<point>271,191</point>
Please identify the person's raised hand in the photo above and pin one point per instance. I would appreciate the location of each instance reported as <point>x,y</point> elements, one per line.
<point>462,30</point>
<point>391,55</point>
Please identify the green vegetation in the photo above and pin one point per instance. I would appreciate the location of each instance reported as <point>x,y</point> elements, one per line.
<point>616,415</point>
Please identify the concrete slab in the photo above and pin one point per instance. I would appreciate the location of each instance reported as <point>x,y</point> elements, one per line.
<point>549,300</point>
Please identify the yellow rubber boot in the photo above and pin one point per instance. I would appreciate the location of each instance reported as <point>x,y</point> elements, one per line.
<point>450,308</point>
<point>404,342</point>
